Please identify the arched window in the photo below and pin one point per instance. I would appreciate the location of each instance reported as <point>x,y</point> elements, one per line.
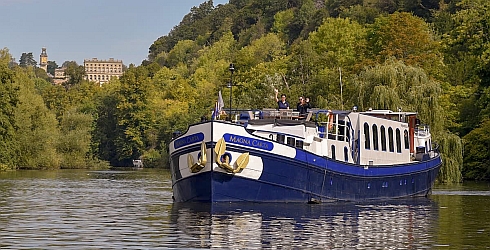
<point>375,137</point>
<point>398,141</point>
<point>390,140</point>
<point>367,144</point>
<point>383,138</point>
<point>407,142</point>
<point>333,152</point>
<point>346,154</point>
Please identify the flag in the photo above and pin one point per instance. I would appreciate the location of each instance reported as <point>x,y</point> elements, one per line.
<point>215,114</point>
<point>221,104</point>
<point>218,106</point>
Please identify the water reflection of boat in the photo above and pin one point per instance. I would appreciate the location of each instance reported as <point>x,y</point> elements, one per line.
<point>396,224</point>
<point>273,157</point>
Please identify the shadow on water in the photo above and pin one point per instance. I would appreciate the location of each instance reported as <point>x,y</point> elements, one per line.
<point>401,224</point>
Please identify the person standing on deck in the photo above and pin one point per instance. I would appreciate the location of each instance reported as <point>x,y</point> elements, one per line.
<point>281,104</point>
<point>303,106</point>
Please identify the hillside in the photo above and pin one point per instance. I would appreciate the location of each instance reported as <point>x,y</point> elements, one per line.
<point>428,56</point>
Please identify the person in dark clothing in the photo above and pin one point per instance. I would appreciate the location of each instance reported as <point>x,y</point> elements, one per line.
<point>303,106</point>
<point>281,104</point>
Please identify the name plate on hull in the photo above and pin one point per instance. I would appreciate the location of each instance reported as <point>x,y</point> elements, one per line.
<point>249,142</point>
<point>190,139</point>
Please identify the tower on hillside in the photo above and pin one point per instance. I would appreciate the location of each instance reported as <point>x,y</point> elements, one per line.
<point>43,60</point>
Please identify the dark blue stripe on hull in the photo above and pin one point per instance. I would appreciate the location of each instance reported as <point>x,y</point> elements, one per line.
<point>229,188</point>
<point>300,185</point>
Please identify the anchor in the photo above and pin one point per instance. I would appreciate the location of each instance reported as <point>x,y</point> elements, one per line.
<point>240,163</point>
<point>201,163</point>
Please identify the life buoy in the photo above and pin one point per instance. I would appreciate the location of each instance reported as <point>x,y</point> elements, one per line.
<point>330,120</point>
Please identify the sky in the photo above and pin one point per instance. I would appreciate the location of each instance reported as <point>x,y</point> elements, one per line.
<point>74,30</point>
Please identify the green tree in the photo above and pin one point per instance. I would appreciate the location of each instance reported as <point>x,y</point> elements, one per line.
<point>37,128</point>
<point>105,131</point>
<point>199,22</point>
<point>74,146</point>
<point>133,116</point>
<point>408,38</point>
<point>183,52</point>
<point>74,72</point>
<point>366,14</point>
<point>8,104</point>
<point>477,155</point>
<point>315,62</point>
<point>261,67</point>
<point>339,42</point>
<point>41,74</point>
<point>27,59</point>
<point>51,67</point>
<point>467,56</point>
<point>282,21</point>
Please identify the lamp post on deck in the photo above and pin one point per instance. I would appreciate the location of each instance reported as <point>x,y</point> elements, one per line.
<point>232,69</point>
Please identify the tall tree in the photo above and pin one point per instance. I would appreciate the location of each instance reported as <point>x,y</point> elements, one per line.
<point>105,131</point>
<point>37,127</point>
<point>51,67</point>
<point>27,59</point>
<point>8,103</point>
<point>315,62</point>
<point>405,37</point>
<point>477,156</point>
<point>74,72</point>
<point>133,115</point>
<point>74,144</point>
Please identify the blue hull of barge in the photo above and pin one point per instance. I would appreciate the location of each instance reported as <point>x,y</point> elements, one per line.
<point>307,178</point>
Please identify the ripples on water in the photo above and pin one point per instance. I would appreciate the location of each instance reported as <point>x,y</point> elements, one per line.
<point>328,226</point>
<point>134,210</point>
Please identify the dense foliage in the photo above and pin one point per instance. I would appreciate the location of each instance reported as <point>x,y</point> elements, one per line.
<point>428,56</point>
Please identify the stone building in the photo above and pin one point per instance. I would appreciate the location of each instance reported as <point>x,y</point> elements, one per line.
<point>102,71</point>
<point>60,76</point>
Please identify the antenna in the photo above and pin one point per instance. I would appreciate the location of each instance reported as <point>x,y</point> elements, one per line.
<point>341,99</point>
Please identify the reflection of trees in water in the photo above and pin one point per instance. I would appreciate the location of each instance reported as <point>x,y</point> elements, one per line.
<point>398,224</point>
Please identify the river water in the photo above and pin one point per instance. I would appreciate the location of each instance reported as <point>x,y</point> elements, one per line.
<point>133,209</point>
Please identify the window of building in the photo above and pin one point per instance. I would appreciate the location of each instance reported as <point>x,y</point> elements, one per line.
<point>281,138</point>
<point>407,142</point>
<point>375,137</point>
<point>383,138</point>
<point>391,143</point>
<point>398,141</point>
<point>367,144</point>
<point>346,154</point>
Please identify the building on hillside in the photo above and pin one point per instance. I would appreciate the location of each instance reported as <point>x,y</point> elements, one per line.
<point>43,60</point>
<point>13,63</point>
<point>102,71</point>
<point>59,76</point>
